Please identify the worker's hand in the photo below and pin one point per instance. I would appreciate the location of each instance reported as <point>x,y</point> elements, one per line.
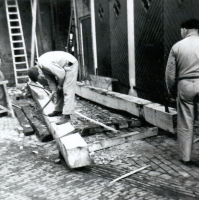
<point>67,68</point>
<point>172,100</point>
<point>59,88</point>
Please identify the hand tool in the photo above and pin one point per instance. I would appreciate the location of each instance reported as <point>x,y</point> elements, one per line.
<point>48,101</point>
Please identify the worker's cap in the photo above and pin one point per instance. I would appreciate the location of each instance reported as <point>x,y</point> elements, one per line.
<point>33,73</point>
<point>191,24</point>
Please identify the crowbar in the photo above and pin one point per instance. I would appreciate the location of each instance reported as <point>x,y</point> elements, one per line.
<point>48,101</point>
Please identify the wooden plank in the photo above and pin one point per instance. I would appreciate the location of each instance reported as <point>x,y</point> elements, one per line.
<point>156,115</point>
<point>7,98</point>
<point>27,129</point>
<point>34,21</point>
<point>124,138</point>
<point>92,129</point>
<point>3,109</point>
<point>151,112</point>
<point>72,146</point>
<point>40,128</point>
<point>117,101</point>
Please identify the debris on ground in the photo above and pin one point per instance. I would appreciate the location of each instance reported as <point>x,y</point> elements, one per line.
<point>18,93</point>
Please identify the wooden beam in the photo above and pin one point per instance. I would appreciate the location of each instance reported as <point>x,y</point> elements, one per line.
<point>113,100</point>
<point>34,20</point>
<point>40,30</point>
<point>72,146</point>
<point>7,98</point>
<point>155,114</point>
<point>40,128</point>
<point>123,138</point>
<point>151,112</point>
<point>27,128</point>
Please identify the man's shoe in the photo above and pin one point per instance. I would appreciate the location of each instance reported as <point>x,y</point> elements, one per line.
<point>63,119</point>
<point>54,113</point>
<point>187,163</point>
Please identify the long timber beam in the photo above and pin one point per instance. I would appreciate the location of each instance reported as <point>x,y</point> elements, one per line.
<point>72,146</point>
<point>152,112</point>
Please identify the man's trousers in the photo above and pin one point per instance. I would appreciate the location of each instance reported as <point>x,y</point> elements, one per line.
<point>187,91</point>
<point>65,101</point>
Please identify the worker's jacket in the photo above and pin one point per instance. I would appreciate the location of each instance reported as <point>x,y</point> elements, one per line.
<point>54,62</point>
<point>183,62</point>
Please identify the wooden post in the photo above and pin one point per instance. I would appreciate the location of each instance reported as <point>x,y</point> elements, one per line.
<point>94,34</point>
<point>77,38</point>
<point>34,19</point>
<point>53,25</point>
<point>36,45</point>
<point>131,46</point>
<point>40,30</point>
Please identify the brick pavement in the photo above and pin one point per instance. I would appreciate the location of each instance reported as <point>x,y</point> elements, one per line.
<point>28,170</point>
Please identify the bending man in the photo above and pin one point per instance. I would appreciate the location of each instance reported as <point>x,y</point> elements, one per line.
<point>182,78</point>
<point>60,70</point>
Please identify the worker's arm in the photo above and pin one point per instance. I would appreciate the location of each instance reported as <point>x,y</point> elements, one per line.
<point>171,75</point>
<point>58,72</point>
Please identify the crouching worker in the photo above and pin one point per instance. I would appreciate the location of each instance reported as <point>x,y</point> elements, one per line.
<point>60,70</point>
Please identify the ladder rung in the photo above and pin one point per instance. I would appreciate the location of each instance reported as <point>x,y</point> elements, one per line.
<point>12,13</point>
<point>22,55</point>
<point>17,41</point>
<point>18,48</point>
<point>18,63</point>
<point>13,20</point>
<point>13,27</point>
<point>22,77</point>
<point>12,6</point>
<point>20,70</point>
<point>16,34</point>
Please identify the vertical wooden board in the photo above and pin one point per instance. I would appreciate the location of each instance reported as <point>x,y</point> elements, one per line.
<point>149,52</point>
<point>119,45</point>
<point>103,34</point>
<point>87,45</point>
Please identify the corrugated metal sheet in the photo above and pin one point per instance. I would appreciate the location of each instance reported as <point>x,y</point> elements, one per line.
<point>149,49</point>
<point>103,37</point>
<point>119,44</point>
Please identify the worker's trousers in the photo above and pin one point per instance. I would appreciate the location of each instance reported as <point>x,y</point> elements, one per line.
<point>65,101</point>
<point>187,91</point>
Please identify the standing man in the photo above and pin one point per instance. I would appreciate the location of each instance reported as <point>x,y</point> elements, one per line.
<point>182,79</point>
<point>60,70</point>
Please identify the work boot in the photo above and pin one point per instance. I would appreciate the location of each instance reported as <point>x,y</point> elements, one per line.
<point>63,119</point>
<point>54,114</point>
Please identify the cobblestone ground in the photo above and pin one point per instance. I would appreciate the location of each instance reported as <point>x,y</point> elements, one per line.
<point>28,170</point>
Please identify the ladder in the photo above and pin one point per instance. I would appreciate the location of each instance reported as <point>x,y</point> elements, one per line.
<point>17,43</point>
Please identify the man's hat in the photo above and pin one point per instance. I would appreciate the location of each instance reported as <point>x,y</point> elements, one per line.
<point>33,74</point>
<point>191,24</point>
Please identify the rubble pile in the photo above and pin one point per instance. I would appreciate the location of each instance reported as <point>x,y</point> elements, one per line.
<point>18,93</point>
<point>98,113</point>
<point>117,155</point>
